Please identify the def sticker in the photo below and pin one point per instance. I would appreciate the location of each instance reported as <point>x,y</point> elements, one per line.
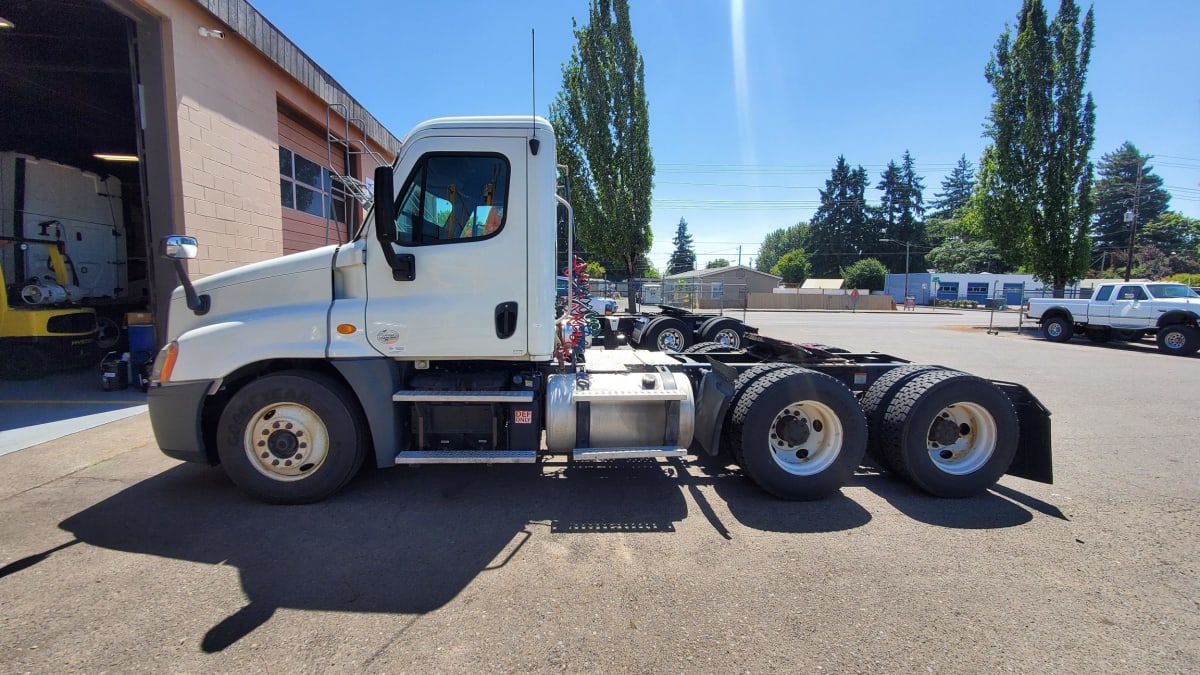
<point>522,417</point>
<point>387,337</point>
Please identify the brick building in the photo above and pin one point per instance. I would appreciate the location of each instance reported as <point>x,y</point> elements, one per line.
<point>216,125</point>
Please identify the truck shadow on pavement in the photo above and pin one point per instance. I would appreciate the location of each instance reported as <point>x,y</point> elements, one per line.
<point>408,541</point>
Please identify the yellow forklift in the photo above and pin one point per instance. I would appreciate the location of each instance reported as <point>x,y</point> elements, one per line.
<point>41,328</point>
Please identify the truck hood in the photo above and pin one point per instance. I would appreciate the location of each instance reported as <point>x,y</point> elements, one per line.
<point>296,287</point>
<point>305,261</point>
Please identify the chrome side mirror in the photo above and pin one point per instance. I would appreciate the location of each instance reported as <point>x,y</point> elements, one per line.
<point>178,247</point>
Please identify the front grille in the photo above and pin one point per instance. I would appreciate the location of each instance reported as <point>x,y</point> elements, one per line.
<point>81,322</point>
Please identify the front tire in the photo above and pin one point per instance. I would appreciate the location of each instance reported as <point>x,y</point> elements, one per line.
<point>802,433</point>
<point>1178,339</point>
<point>291,438</point>
<point>1057,329</point>
<point>949,433</point>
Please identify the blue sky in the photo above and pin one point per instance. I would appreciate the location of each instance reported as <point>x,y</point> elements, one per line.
<point>744,131</point>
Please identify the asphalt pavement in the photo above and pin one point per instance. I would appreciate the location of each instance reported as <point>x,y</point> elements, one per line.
<point>116,558</point>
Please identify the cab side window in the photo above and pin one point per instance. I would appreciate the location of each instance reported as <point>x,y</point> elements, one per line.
<point>452,198</point>
<point>1104,294</point>
<point>1132,293</point>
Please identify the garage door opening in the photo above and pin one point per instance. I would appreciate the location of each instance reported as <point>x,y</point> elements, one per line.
<point>76,147</point>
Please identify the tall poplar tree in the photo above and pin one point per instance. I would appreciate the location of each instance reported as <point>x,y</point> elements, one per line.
<point>602,124</point>
<point>683,258</point>
<point>1036,179</point>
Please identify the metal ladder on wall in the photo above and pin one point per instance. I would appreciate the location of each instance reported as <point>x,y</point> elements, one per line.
<point>348,147</point>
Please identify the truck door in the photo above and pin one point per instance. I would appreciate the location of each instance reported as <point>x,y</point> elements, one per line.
<point>1131,308</point>
<point>454,283</point>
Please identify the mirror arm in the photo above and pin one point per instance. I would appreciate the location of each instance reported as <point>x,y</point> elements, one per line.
<point>199,304</point>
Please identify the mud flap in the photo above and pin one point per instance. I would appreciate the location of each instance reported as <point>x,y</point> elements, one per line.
<point>1034,460</point>
<point>712,402</point>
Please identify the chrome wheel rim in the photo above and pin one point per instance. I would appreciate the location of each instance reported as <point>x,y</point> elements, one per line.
<point>1054,329</point>
<point>1174,339</point>
<point>286,441</point>
<point>806,438</point>
<point>728,337</point>
<point>670,340</point>
<point>962,438</point>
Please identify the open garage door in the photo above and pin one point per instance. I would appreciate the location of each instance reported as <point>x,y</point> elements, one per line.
<point>83,162</point>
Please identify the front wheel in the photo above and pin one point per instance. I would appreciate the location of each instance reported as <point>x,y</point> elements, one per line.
<point>802,433</point>
<point>1178,340</point>
<point>949,433</point>
<point>291,438</point>
<point>1057,329</point>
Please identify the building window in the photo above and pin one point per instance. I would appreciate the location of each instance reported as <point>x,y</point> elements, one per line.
<point>307,186</point>
<point>977,289</point>
<point>716,291</point>
<point>948,288</point>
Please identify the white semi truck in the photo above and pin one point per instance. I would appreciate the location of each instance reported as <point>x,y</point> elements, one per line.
<point>430,338</point>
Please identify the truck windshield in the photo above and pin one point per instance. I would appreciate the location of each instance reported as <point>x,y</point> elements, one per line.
<point>1170,291</point>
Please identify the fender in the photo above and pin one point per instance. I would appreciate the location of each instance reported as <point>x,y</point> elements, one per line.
<point>1178,316</point>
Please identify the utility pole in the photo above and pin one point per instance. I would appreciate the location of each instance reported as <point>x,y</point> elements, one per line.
<point>739,255</point>
<point>1132,216</point>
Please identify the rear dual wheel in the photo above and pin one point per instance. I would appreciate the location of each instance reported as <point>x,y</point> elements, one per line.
<point>948,433</point>
<point>797,433</point>
<point>666,334</point>
<point>722,329</point>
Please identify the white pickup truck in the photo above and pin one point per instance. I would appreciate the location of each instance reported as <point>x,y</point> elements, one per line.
<point>1127,311</point>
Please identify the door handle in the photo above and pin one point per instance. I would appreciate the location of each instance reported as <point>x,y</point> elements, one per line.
<point>506,320</point>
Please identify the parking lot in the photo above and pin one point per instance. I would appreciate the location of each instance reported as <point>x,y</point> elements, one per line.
<point>114,557</point>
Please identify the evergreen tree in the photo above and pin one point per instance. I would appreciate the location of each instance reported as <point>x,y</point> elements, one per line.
<point>602,126</point>
<point>779,242</point>
<point>1115,191</point>
<point>1036,179</point>
<point>957,189</point>
<point>684,257</point>
<point>902,209</point>
<point>841,228</point>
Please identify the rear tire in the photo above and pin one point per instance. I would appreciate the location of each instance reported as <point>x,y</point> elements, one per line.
<point>949,433</point>
<point>1058,329</point>
<point>294,437</point>
<point>706,348</point>
<point>724,330</point>
<point>667,334</point>
<point>876,401</point>
<point>802,433</point>
<point>731,432</point>
<point>1178,339</point>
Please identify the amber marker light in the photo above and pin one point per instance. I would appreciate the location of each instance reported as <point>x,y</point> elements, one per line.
<point>165,363</point>
<point>346,329</point>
